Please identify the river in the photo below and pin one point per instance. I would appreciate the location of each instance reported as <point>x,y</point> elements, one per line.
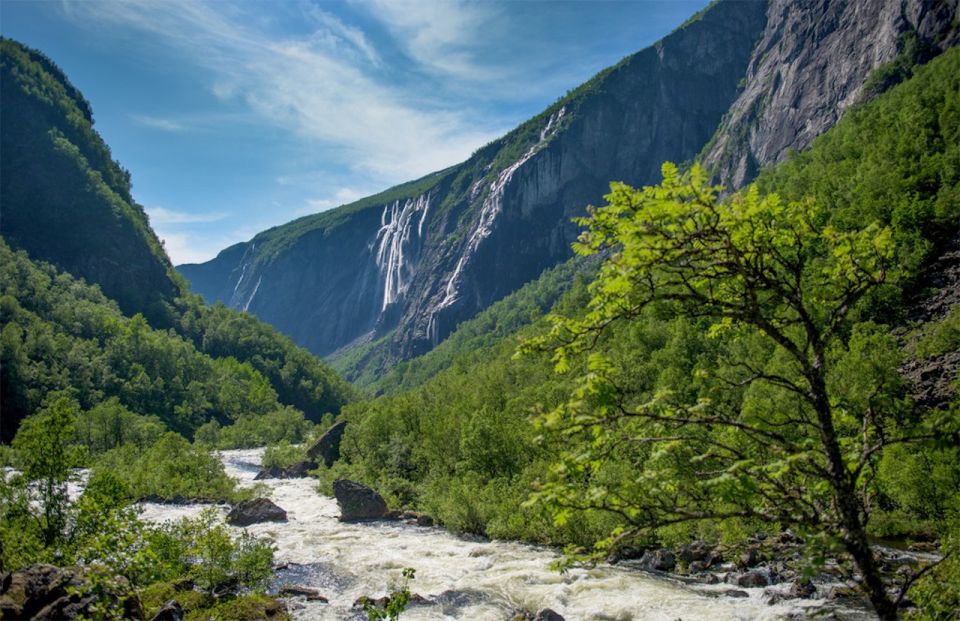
<point>463,578</point>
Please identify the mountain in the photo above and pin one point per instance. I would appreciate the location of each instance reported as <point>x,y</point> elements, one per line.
<point>67,207</point>
<point>64,199</point>
<point>812,63</point>
<point>403,268</point>
<point>422,257</point>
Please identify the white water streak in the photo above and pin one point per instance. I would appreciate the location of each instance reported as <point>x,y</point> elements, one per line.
<point>492,206</point>
<point>465,578</point>
<point>393,239</point>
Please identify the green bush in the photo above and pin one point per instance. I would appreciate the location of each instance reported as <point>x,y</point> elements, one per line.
<point>170,468</point>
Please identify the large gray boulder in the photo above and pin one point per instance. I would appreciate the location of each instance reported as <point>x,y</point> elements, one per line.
<point>327,446</point>
<point>358,502</point>
<point>255,511</point>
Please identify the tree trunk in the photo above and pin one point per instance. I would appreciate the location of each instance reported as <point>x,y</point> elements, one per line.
<point>849,510</point>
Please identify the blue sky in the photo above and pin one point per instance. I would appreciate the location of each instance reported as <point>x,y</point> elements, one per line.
<point>237,116</point>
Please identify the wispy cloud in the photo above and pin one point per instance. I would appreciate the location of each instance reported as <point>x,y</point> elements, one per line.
<point>441,36</point>
<point>167,125</point>
<point>341,197</point>
<point>312,84</point>
<point>160,217</point>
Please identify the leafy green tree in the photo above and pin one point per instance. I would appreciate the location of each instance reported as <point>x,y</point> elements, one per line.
<point>799,443</point>
<point>44,449</point>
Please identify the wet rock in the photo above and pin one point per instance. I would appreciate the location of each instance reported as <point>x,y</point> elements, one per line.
<point>312,595</point>
<point>751,579</point>
<point>625,554</point>
<point>424,520</point>
<point>358,502</point>
<point>709,578</point>
<point>255,511</point>
<point>48,592</point>
<point>696,551</point>
<point>749,558</point>
<point>298,470</point>
<point>327,446</point>
<point>803,589</point>
<point>384,601</point>
<point>546,614</point>
<point>660,560</point>
<point>695,567</point>
<point>171,611</point>
<point>736,593</point>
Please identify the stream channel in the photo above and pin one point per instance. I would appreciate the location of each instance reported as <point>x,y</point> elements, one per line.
<point>462,577</point>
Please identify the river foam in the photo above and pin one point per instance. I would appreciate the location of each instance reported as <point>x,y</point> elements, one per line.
<point>463,578</point>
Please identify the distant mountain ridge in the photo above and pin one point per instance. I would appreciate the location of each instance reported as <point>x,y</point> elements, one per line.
<point>406,266</point>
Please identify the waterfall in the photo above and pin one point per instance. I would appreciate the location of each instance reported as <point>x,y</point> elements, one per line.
<point>392,244</point>
<point>492,206</point>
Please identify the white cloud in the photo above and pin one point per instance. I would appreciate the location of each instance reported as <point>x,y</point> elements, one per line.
<point>441,36</point>
<point>160,216</point>
<point>167,125</point>
<point>311,87</point>
<point>341,197</point>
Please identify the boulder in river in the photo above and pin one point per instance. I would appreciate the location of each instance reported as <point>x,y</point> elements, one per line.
<point>292,590</point>
<point>298,470</point>
<point>358,502</point>
<point>546,614</point>
<point>327,446</point>
<point>255,511</point>
<point>661,560</point>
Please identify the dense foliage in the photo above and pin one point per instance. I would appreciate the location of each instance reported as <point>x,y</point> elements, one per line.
<point>101,532</point>
<point>462,448</point>
<point>65,200</point>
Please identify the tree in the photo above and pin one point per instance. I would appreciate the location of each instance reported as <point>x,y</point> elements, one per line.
<point>43,446</point>
<point>781,434</point>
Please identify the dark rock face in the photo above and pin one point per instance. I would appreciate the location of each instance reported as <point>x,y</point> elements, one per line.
<point>808,68</point>
<point>298,470</point>
<point>312,595</point>
<point>424,258</point>
<point>171,611</point>
<point>327,446</point>
<point>43,592</point>
<point>255,511</point>
<point>358,502</point>
<point>547,614</point>
<point>661,560</point>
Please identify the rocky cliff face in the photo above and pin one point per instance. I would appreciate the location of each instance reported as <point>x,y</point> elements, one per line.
<point>751,80</point>
<point>423,257</point>
<point>810,65</point>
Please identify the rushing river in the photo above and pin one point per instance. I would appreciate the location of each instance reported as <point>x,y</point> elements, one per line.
<point>463,578</point>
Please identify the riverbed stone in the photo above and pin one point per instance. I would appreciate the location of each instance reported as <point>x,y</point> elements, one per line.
<point>752,579</point>
<point>358,502</point>
<point>256,511</point>
<point>547,614</point>
<point>293,590</point>
<point>660,560</point>
<point>327,446</point>
<point>298,470</point>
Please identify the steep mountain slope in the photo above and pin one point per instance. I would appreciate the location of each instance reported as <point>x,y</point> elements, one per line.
<point>66,202</point>
<point>811,65</point>
<point>63,197</point>
<point>424,256</point>
<point>420,258</point>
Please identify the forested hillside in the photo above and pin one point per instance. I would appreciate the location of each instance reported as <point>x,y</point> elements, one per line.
<point>65,200</point>
<point>67,203</point>
<point>463,448</point>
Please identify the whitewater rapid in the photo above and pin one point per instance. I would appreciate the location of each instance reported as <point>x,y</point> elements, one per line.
<point>462,578</point>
